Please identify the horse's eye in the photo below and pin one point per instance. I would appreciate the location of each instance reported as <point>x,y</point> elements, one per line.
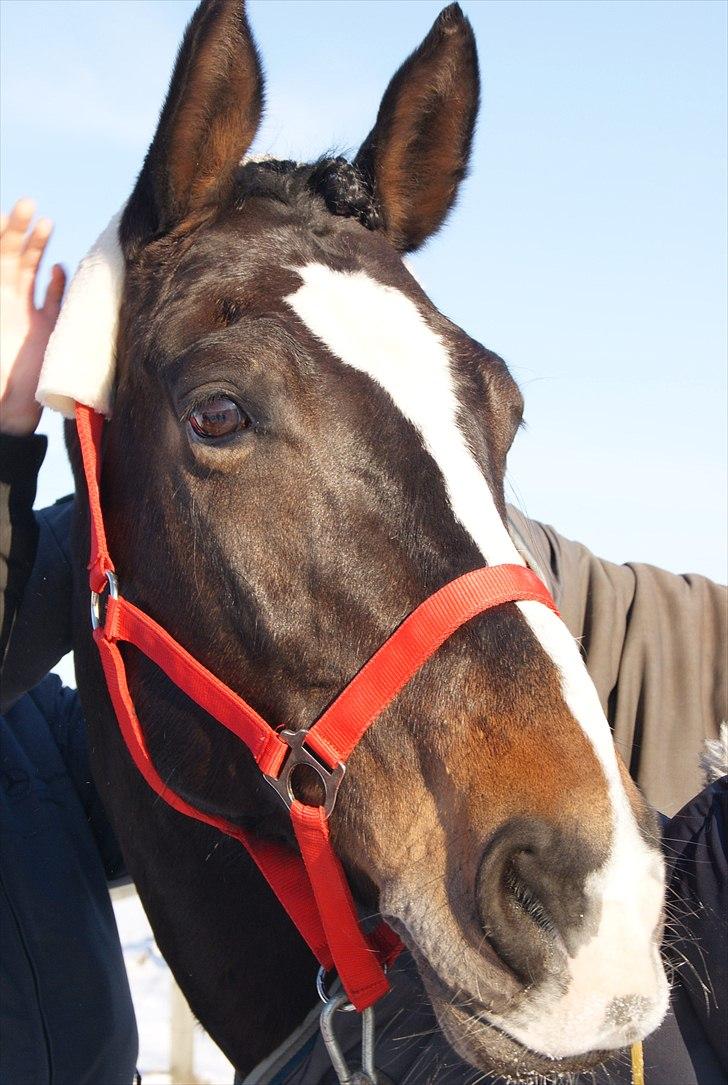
<point>218,417</point>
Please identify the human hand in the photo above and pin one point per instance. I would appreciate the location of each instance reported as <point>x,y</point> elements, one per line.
<point>24,329</point>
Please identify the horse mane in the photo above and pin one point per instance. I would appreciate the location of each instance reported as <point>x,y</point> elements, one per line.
<point>341,185</point>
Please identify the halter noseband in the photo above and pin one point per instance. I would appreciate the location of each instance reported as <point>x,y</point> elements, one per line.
<point>312,886</point>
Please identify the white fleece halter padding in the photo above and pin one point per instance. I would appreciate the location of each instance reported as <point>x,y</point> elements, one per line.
<point>80,357</point>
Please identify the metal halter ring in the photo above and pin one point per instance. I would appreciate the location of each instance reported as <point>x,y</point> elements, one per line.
<point>324,995</point>
<point>300,755</point>
<point>112,586</point>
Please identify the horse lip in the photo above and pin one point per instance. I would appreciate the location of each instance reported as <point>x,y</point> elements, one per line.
<point>433,978</point>
<point>423,964</point>
<point>542,1065</point>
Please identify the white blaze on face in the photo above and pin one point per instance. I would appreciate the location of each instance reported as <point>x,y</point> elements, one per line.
<point>379,331</point>
<point>621,964</point>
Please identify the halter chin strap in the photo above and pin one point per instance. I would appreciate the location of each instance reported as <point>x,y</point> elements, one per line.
<point>312,886</point>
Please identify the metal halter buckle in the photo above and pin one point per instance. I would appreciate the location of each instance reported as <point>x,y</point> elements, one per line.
<point>112,587</point>
<point>300,755</point>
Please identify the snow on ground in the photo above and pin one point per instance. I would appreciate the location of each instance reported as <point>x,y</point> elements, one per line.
<point>151,988</point>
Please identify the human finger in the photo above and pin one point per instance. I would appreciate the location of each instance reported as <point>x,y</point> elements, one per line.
<point>12,237</point>
<point>54,293</point>
<point>33,249</point>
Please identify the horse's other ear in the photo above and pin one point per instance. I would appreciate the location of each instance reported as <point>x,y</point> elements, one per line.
<point>417,153</point>
<point>207,124</point>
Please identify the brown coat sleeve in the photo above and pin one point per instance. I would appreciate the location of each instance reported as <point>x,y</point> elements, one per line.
<point>656,646</point>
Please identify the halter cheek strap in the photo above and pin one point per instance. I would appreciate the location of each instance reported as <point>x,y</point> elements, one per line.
<point>312,886</point>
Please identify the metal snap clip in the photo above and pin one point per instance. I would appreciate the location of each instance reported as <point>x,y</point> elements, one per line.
<point>338,1003</point>
<point>367,1075</point>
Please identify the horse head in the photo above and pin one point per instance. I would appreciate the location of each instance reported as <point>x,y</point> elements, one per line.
<point>302,449</point>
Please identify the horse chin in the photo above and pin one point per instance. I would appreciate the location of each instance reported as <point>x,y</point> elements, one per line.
<point>483,1044</point>
<point>487,1047</point>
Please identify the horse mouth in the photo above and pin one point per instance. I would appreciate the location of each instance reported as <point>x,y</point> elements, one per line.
<point>485,1045</point>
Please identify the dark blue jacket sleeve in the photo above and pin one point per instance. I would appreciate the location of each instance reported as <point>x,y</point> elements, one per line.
<point>41,632</point>
<point>20,460</point>
<point>696,842</point>
<point>65,1009</point>
<point>62,710</point>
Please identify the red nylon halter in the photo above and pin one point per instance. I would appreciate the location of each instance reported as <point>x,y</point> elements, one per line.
<point>311,887</point>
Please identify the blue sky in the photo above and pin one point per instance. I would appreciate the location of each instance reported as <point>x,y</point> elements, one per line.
<point>588,247</point>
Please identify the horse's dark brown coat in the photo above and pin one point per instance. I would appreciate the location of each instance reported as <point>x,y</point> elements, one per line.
<point>283,556</point>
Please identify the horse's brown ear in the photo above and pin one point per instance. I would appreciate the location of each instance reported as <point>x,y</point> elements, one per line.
<point>207,124</point>
<point>418,151</point>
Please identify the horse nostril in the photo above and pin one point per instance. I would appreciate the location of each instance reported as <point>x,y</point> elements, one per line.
<point>530,895</point>
<point>528,902</point>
